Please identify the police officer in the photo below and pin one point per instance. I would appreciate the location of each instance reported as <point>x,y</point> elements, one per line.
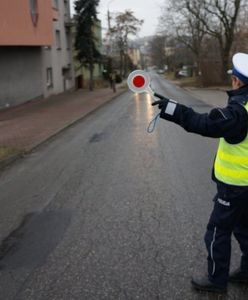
<point>230,172</point>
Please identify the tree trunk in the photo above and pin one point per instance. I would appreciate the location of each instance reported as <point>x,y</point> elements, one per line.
<point>121,64</point>
<point>197,68</point>
<point>125,65</point>
<point>91,81</point>
<point>225,66</point>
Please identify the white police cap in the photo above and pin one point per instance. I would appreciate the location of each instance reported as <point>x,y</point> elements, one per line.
<point>240,66</point>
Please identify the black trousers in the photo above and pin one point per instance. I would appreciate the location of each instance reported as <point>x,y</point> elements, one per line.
<point>230,215</point>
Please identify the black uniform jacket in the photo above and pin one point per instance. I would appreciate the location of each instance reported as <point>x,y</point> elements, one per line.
<point>230,122</point>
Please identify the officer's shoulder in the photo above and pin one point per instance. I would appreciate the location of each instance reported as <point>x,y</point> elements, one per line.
<point>225,113</point>
<point>238,100</point>
<point>239,106</point>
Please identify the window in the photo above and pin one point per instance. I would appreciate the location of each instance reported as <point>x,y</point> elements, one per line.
<point>68,40</point>
<point>67,72</point>
<point>58,40</point>
<point>49,77</point>
<point>56,4</point>
<point>66,8</point>
<point>34,11</point>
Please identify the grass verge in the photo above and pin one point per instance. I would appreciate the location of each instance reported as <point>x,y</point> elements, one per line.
<point>7,151</point>
<point>184,81</point>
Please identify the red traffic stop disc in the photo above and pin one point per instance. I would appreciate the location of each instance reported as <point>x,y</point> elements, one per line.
<point>138,81</point>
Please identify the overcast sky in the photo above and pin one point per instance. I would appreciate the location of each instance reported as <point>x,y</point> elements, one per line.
<point>148,10</point>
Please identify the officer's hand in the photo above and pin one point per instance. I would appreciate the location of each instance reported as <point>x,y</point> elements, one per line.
<point>166,105</point>
<point>161,103</point>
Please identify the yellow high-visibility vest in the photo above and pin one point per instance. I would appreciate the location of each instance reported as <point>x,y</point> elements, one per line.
<point>231,163</point>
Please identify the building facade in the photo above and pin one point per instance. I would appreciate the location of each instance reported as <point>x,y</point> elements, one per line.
<point>134,54</point>
<point>31,63</point>
<point>58,69</point>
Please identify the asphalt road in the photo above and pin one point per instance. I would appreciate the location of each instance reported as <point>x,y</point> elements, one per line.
<point>108,211</point>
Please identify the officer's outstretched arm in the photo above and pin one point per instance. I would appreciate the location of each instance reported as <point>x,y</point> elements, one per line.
<point>219,122</point>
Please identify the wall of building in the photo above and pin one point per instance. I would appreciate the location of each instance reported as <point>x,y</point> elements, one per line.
<point>20,75</point>
<point>58,57</point>
<point>17,26</point>
<point>28,72</point>
<point>134,54</point>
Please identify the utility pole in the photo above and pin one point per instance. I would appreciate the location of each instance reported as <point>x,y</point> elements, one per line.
<point>109,25</point>
<point>109,52</point>
<point>108,16</point>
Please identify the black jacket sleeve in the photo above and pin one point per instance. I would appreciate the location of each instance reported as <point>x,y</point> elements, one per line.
<point>230,123</point>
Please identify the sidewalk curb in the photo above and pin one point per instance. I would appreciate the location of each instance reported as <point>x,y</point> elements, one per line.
<point>10,160</point>
<point>223,88</point>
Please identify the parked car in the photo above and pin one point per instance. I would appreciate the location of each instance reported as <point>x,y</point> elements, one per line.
<point>183,73</point>
<point>160,71</point>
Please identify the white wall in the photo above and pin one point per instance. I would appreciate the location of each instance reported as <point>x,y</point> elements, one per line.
<point>59,59</point>
<point>20,75</point>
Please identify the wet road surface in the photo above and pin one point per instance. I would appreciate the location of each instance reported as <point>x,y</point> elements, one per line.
<point>107,211</point>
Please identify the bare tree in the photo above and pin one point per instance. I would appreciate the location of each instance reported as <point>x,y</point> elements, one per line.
<point>241,32</point>
<point>126,25</point>
<point>219,18</point>
<point>157,50</point>
<point>185,26</point>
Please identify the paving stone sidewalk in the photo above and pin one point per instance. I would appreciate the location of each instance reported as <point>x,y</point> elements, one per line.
<point>26,126</point>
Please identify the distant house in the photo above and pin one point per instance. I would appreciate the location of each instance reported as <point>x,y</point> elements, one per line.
<point>169,51</point>
<point>134,54</point>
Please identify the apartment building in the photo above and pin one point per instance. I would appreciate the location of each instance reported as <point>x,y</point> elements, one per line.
<point>35,50</point>
<point>58,68</point>
<point>134,54</point>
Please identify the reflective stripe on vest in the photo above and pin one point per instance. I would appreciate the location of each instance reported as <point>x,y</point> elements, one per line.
<point>231,163</point>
